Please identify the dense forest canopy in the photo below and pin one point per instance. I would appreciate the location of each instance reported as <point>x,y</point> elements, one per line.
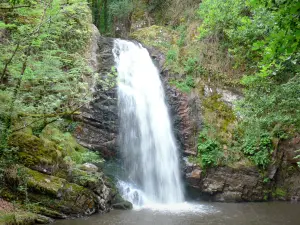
<point>42,62</point>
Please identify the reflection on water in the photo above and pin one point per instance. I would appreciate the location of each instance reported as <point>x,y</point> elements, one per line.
<point>273,213</point>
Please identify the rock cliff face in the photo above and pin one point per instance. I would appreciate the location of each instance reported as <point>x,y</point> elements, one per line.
<point>98,130</point>
<point>281,182</point>
<point>285,173</point>
<point>226,184</point>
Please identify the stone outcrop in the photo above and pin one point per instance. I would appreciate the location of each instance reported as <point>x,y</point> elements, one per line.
<point>285,173</point>
<point>98,130</point>
<point>53,179</point>
<point>226,184</point>
<point>185,117</point>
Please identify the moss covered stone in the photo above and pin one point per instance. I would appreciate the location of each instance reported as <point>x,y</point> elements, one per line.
<point>36,153</point>
<point>156,36</point>
<point>60,195</point>
<point>279,193</point>
<point>23,218</point>
<point>65,141</point>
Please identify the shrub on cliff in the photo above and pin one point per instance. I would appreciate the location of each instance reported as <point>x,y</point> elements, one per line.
<point>263,36</point>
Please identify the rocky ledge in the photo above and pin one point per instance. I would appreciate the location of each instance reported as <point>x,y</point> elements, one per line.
<point>54,178</point>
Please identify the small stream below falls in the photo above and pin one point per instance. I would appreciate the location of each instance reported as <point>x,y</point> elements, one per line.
<point>271,213</point>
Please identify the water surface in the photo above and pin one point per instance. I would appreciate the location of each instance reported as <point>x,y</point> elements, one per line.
<point>273,213</point>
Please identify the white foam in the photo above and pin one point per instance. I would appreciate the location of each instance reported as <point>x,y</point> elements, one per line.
<point>179,208</point>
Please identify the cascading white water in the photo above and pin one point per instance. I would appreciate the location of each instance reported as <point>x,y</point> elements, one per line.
<point>146,139</point>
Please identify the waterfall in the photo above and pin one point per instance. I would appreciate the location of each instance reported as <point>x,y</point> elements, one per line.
<point>146,139</point>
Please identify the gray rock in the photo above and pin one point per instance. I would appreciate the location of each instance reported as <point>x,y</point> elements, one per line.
<point>230,185</point>
<point>123,205</point>
<point>89,167</point>
<point>43,219</point>
<point>99,127</point>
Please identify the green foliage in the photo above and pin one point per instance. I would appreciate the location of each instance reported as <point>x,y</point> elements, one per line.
<point>279,192</point>
<point>182,37</point>
<point>8,158</point>
<point>254,31</point>
<point>42,68</point>
<point>7,218</point>
<point>209,150</point>
<point>273,106</point>
<point>190,65</point>
<point>83,157</point>
<point>258,147</point>
<point>121,8</point>
<point>106,12</point>
<point>184,85</point>
<point>172,55</point>
<point>263,37</point>
<point>155,5</point>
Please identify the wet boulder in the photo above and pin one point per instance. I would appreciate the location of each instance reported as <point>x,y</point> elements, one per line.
<point>227,184</point>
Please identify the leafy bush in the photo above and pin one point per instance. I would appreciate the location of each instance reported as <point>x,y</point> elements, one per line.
<point>209,150</point>
<point>258,148</point>
<point>172,55</point>
<point>271,105</point>
<point>263,37</point>
<point>190,65</point>
<point>256,31</point>
<point>184,85</point>
<point>121,8</point>
<point>83,157</point>
<point>182,32</point>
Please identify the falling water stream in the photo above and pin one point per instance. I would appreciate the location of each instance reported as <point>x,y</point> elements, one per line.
<point>146,139</point>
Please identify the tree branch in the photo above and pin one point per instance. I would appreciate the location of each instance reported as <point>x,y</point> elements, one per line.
<point>9,61</point>
<point>27,125</point>
<point>16,7</point>
<point>49,115</point>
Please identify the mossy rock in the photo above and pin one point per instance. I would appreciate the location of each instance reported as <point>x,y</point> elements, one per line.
<point>279,194</point>
<point>59,195</point>
<point>117,201</point>
<point>47,212</point>
<point>36,153</point>
<point>23,218</point>
<point>65,141</point>
<point>156,36</point>
<point>123,205</point>
<point>72,152</point>
<point>92,180</point>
